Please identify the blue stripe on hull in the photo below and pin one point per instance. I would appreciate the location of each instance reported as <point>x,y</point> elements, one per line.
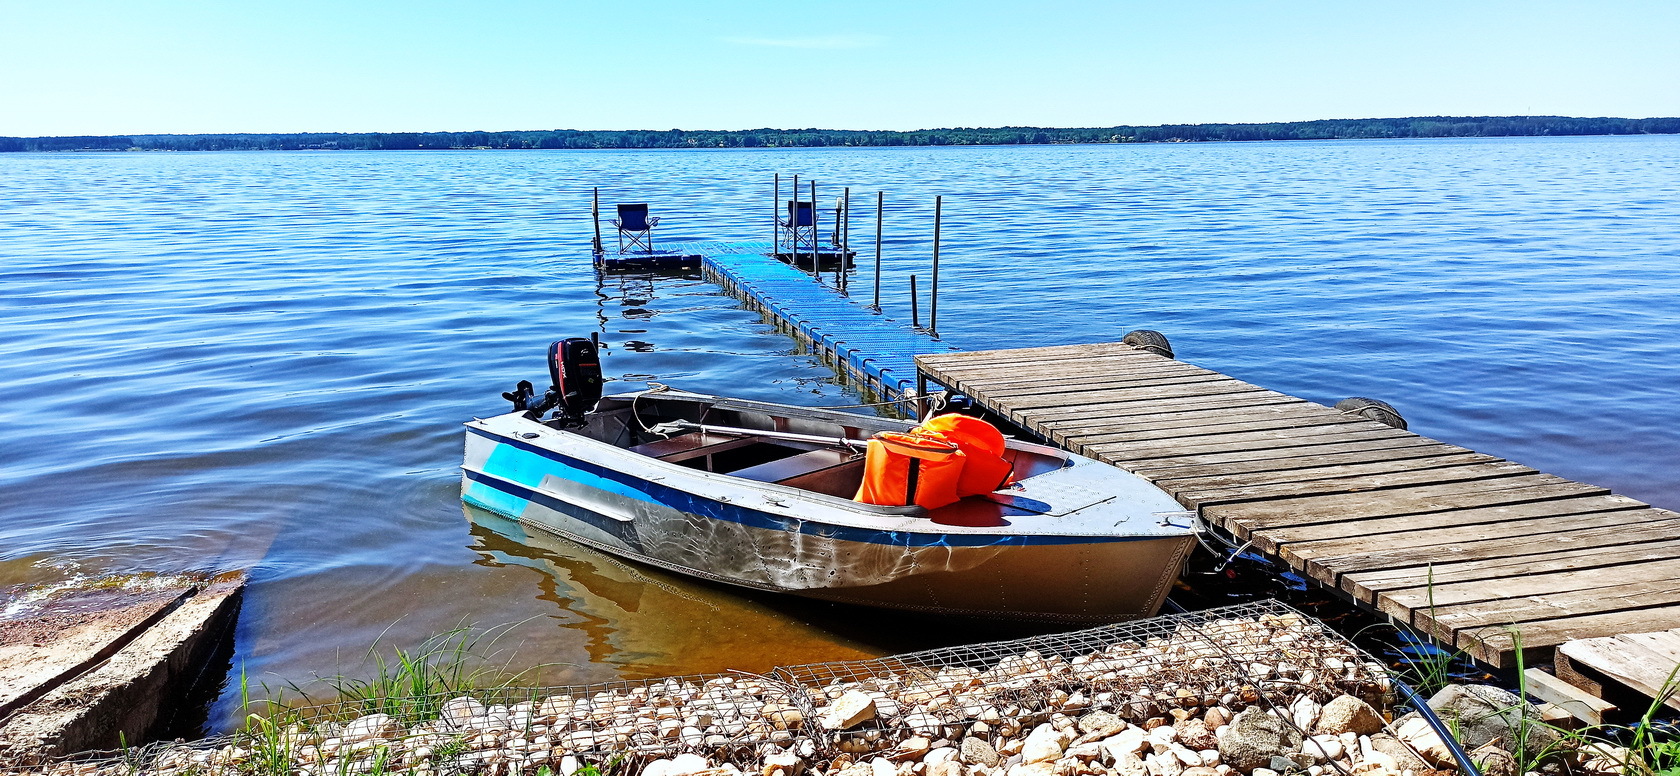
<point>517,481</point>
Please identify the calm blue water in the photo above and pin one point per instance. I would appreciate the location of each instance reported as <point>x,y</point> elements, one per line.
<point>261,360</point>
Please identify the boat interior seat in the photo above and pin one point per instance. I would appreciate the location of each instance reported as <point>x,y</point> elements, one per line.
<point>687,446</point>
<point>806,470</point>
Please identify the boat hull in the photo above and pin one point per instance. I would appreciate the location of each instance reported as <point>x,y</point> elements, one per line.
<point>752,540</point>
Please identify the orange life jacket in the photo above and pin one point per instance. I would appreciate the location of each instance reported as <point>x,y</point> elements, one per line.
<point>984,468</point>
<point>934,464</point>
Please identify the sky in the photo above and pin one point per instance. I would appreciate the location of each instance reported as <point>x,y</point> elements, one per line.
<point>98,67</point>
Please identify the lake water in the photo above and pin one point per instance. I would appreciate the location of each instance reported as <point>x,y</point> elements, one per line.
<point>262,360</point>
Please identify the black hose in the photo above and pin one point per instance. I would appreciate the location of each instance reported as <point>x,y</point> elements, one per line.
<point>1428,714</point>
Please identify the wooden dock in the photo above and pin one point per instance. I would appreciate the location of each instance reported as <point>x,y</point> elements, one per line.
<point>1468,547</point>
<point>871,350</point>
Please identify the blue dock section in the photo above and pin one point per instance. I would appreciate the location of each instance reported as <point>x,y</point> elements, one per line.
<point>874,352</point>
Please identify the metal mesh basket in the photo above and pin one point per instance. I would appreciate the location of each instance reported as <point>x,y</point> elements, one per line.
<point>1170,669</point>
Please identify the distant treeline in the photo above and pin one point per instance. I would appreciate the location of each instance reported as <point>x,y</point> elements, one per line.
<point>1327,129</point>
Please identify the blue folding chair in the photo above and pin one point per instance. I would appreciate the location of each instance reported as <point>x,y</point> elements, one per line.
<point>800,225</point>
<point>633,223</point>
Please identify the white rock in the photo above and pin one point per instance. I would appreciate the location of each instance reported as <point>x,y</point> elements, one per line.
<point>686,764</point>
<point>1086,752</point>
<point>460,711</point>
<point>940,755</point>
<point>848,710</point>
<point>1163,765</point>
<point>370,727</point>
<point>1304,712</point>
<point>1326,747</point>
<point>1044,744</point>
<point>881,766</point>
<point>1129,765</point>
<point>1130,741</point>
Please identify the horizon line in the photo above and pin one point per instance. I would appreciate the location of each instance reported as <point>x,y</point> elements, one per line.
<point>861,131</point>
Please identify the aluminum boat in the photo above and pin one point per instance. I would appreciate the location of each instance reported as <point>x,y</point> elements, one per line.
<point>760,495</point>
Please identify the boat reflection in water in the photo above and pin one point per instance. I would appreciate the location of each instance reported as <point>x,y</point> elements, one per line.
<point>639,622</point>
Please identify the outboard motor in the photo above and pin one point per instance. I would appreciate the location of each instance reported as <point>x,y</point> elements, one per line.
<point>574,366</point>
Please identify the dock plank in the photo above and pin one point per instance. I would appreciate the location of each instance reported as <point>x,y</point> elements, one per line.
<point>1368,585</point>
<point>1646,662</point>
<point>1534,598</point>
<point>1325,471</point>
<point>1285,537</point>
<point>1542,637</point>
<point>1305,447</point>
<point>1531,536</point>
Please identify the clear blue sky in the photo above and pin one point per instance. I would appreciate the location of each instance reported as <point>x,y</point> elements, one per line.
<point>139,66</point>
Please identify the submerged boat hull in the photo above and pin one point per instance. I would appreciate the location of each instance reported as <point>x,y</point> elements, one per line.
<point>706,526</point>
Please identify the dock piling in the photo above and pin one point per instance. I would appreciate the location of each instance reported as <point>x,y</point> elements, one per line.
<point>915,307</point>
<point>933,299</point>
<point>816,246</point>
<point>845,239</point>
<point>793,232</point>
<point>776,217</point>
<point>595,213</point>
<point>880,204</point>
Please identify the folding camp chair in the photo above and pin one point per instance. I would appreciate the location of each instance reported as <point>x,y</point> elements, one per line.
<point>633,222</point>
<point>800,226</point>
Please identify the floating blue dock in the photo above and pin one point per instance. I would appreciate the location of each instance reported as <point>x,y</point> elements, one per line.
<point>873,351</point>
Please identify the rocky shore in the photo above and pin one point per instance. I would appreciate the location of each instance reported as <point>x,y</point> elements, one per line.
<point>1270,695</point>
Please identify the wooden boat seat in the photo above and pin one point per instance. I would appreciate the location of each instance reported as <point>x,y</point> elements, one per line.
<point>795,467</point>
<point>681,448</point>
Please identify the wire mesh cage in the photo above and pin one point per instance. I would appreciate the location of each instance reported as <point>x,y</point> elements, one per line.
<point>1187,669</point>
<point>1171,669</point>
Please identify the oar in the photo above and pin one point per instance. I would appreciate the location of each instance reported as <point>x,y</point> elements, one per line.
<point>684,425</point>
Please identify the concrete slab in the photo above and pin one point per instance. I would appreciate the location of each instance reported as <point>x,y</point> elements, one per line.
<point>121,662</point>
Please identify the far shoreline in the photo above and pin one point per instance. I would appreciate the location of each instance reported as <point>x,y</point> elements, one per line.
<point>1424,127</point>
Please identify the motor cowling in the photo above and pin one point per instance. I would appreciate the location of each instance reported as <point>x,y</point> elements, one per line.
<point>574,365</point>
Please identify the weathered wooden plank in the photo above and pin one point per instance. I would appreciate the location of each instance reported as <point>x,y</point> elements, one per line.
<point>1366,586</point>
<point>1169,469</point>
<point>1064,365</point>
<point>1043,351</point>
<point>1284,537</point>
<point>1359,551</point>
<point>1026,405</point>
<point>1039,388</point>
<point>1362,483</point>
<point>1497,645</point>
<point>1665,643</point>
<point>1601,590</point>
<point>1132,452</point>
<point>1191,421</point>
<point>1211,428</point>
<point>1329,471</point>
<point>1307,448</point>
<point>1092,413</point>
<point>1577,702</point>
<point>1045,421</point>
<point>1002,385</point>
<point>1420,499</point>
<point>1144,411</point>
<point>1626,660</point>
